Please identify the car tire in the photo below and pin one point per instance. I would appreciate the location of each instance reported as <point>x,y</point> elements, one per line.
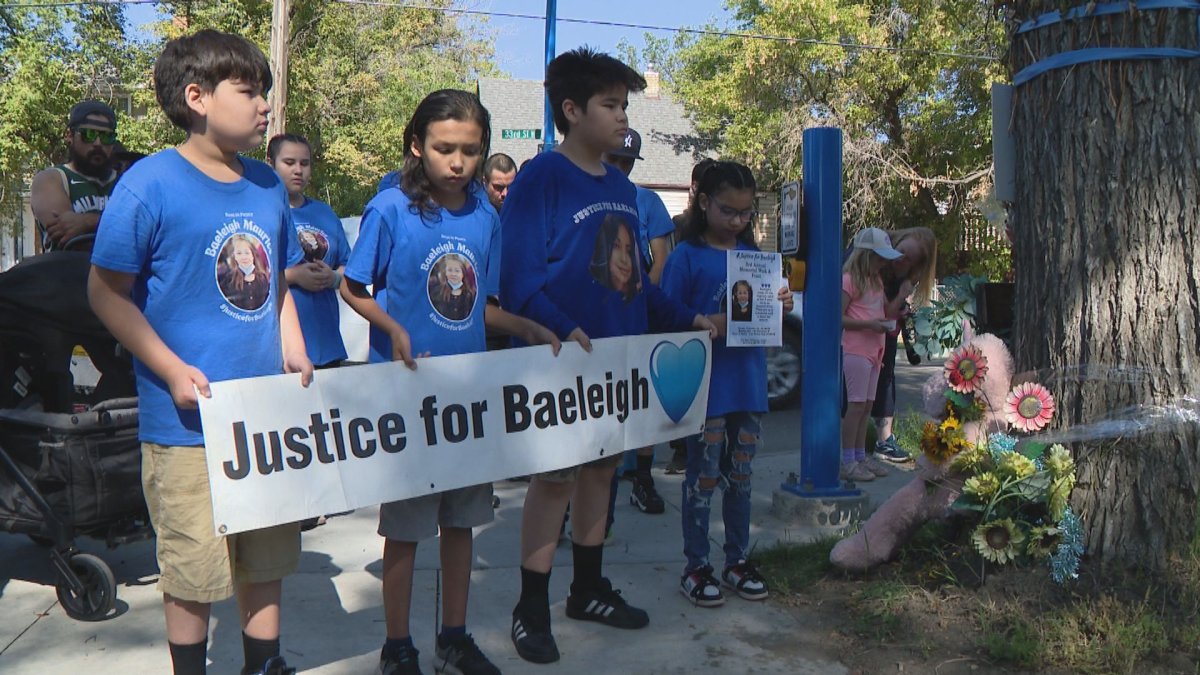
<point>784,369</point>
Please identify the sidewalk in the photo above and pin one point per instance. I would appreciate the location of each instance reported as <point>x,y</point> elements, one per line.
<point>333,615</point>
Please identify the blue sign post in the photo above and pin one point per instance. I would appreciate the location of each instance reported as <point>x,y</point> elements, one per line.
<point>821,412</point>
<point>548,119</point>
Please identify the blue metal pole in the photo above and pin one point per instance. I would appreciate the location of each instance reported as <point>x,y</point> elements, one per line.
<point>821,412</point>
<point>548,141</point>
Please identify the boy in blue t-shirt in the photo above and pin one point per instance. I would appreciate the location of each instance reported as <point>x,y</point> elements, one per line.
<point>571,263</point>
<point>186,274</point>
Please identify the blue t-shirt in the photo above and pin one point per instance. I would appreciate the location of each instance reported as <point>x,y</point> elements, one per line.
<point>207,256</point>
<point>438,270</point>
<point>570,254</point>
<point>321,237</point>
<point>656,222</point>
<point>696,274</point>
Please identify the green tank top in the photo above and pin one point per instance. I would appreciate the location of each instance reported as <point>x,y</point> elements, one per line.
<point>87,195</point>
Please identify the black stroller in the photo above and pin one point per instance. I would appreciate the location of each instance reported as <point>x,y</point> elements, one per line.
<point>70,460</point>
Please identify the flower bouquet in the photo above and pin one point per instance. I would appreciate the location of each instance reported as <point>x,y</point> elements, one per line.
<point>1011,498</point>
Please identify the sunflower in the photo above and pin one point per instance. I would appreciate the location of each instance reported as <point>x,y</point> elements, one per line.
<point>1059,461</point>
<point>1029,406</point>
<point>1015,465</point>
<point>982,487</point>
<point>965,369</point>
<point>1043,541</point>
<point>971,459</point>
<point>1059,496</point>
<point>998,540</point>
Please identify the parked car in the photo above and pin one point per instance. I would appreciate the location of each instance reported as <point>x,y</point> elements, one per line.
<point>786,363</point>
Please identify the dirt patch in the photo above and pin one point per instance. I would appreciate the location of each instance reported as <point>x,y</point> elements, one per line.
<point>888,623</point>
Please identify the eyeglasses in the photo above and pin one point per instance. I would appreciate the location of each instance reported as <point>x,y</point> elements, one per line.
<point>748,214</point>
<point>93,135</point>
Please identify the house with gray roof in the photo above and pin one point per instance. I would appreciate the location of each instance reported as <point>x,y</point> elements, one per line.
<point>670,145</point>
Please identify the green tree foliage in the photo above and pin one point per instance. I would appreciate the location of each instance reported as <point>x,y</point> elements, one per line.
<point>917,122</point>
<point>355,74</point>
<point>50,58</point>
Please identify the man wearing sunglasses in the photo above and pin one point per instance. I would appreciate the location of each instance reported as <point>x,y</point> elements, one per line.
<point>67,198</point>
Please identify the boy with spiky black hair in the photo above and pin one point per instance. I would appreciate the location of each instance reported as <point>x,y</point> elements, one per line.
<point>570,262</point>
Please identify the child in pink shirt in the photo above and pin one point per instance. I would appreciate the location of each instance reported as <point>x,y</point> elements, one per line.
<point>864,324</point>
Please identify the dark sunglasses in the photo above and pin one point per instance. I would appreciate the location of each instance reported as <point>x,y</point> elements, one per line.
<point>93,135</point>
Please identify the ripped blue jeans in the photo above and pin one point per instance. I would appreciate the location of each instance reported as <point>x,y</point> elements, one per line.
<point>719,457</point>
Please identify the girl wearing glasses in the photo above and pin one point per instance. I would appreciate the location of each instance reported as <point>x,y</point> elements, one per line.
<point>719,221</point>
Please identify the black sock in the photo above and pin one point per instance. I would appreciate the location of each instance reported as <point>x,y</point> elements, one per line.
<point>643,465</point>
<point>189,659</point>
<point>588,560</point>
<point>535,595</point>
<point>449,633</point>
<point>257,652</point>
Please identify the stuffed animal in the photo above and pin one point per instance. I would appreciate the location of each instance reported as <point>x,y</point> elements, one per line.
<point>929,494</point>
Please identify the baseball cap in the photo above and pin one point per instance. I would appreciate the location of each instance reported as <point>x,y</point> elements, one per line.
<point>81,111</point>
<point>875,239</point>
<point>632,146</point>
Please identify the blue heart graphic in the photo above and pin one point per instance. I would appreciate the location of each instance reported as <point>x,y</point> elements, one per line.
<point>676,373</point>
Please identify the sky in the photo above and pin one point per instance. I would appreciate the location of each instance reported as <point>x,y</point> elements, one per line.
<point>520,43</point>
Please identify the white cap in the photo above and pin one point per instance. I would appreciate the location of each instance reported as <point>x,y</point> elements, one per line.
<point>875,239</point>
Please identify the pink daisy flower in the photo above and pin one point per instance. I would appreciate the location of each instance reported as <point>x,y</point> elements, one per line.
<point>1029,406</point>
<point>965,369</point>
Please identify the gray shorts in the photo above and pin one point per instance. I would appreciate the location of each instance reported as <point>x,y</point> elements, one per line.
<point>571,473</point>
<point>418,518</point>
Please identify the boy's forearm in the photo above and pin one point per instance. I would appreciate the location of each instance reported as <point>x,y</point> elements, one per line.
<point>505,322</point>
<point>108,293</point>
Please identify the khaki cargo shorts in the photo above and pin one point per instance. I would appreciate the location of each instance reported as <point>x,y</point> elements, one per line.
<point>196,564</point>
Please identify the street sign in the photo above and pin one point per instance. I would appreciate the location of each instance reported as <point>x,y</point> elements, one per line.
<point>521,134</point>
<point>789,219</point>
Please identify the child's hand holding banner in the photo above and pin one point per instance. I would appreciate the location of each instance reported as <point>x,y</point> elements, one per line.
<point>362,435</point>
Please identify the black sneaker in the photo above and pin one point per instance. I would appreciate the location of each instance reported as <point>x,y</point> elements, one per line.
<point>274,666</point>
<point>532,638</point>
<point>462,657</point>
<point>606,606</point>
<point>678,463</point>
<point>745,580</point>
<point>645,497</point>
<point>404,661</point>
<point>701,589</point>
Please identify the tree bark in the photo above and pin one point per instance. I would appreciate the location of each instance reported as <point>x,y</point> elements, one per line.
<point>1107,255</point>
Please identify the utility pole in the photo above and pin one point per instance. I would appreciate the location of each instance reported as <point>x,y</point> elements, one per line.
<point>280,33</point>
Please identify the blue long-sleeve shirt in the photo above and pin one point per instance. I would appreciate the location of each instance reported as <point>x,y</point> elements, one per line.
<point>570,255</point>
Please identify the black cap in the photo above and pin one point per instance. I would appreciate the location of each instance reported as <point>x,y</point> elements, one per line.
<point>81,111</point>
<point>632,146</point>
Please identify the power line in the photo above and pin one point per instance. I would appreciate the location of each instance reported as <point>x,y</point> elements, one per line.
<point>588,22</point>
<point>672,29</point>
<point>77,3</point>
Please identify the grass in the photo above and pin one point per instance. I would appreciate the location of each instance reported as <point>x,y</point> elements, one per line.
<point>1090,635</point>
<point>792,568</point>
<point>880,609</point>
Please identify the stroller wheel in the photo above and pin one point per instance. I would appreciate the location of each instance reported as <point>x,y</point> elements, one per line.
<point>97,594</point>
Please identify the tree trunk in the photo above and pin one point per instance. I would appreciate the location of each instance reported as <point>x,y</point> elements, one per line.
<point>1107,255</point>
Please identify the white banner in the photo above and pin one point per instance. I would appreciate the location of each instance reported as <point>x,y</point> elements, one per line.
<point>362,435</point>
<point>754,314</point>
